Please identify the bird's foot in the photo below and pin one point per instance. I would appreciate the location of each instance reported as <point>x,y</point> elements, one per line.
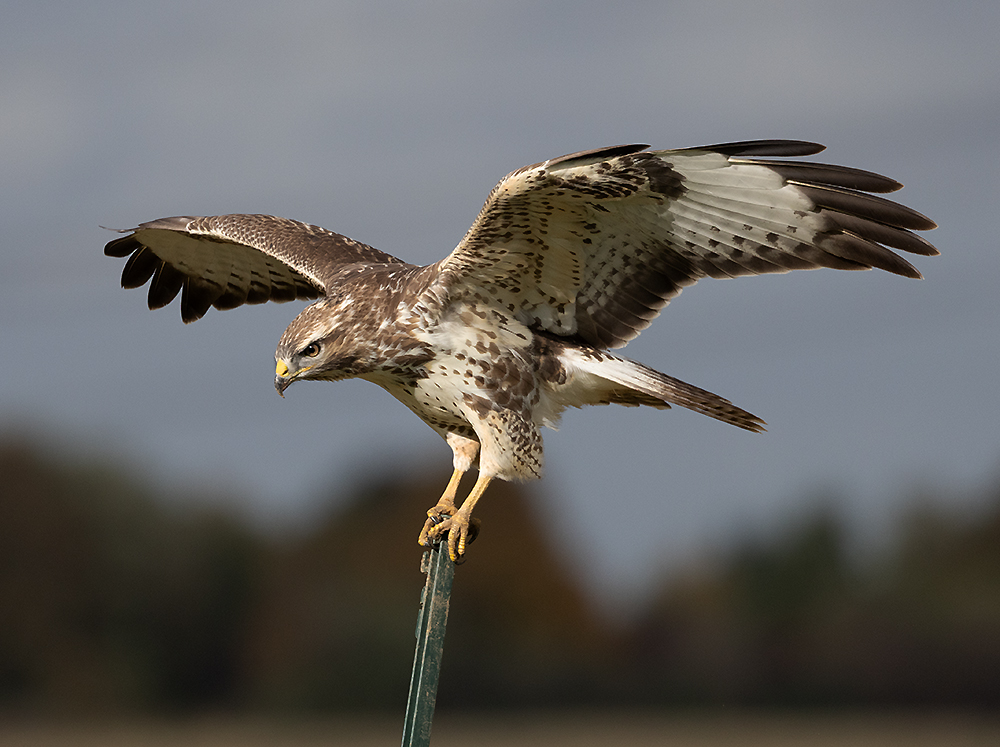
<point>459,525</point>
<point>461,530</point>
<point>436,516</point>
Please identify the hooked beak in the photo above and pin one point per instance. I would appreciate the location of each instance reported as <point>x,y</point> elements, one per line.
<point>282,378</point>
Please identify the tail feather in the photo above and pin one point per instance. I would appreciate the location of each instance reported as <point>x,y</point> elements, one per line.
<point>648,383</point>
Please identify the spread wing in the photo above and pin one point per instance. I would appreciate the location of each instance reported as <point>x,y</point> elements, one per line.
<point>226,261</point>
<point>596,243</point>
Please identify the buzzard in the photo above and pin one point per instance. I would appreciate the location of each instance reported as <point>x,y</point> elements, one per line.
<point>568,259</point>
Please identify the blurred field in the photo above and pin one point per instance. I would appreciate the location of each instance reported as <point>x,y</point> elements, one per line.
<point>116,603</point>
<point>520,730</point>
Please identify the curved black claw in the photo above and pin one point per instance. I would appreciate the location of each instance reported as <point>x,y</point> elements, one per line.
<point>432,530</point>
<point>474,525</point>
<point>461,532</point>
<point>470,537</point>
<point>435,530</point>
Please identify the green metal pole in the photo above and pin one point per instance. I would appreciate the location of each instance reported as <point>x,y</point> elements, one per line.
<point>431,622</point>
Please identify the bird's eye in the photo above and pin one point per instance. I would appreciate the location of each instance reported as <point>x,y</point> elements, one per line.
<point>311,350</point>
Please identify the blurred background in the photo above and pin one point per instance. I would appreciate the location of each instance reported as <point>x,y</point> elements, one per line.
<point>177,540</point>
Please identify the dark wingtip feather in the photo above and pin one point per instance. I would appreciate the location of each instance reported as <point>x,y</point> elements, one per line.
<point>120,247</point>
<point>866,206</point>
<point>140,267</point>
<point>857,249</point>
<point>835,176</point>
<point>788,148</point>
<point>166,284</point>
<point>194,302</point>
<point>898,238</point>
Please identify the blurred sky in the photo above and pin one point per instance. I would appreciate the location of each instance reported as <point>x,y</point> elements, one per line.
<point>390,123</point>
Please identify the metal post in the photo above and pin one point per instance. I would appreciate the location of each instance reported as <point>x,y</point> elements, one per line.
<point>431,622</point>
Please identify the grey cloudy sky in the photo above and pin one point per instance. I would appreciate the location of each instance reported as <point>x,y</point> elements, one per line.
<point>390,122</point>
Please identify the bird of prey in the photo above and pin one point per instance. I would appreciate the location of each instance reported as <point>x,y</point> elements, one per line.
<point>568,258</point>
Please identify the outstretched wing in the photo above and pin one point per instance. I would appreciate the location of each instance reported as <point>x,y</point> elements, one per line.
<point>226,261</point>
<point>596,243</point>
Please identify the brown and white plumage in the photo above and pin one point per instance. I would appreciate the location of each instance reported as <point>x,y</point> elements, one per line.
<point>567,259</point>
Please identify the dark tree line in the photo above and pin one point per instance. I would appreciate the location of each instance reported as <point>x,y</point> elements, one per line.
<point>111,600</point>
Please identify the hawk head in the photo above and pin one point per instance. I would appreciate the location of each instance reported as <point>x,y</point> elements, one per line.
<point>318,344</point>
